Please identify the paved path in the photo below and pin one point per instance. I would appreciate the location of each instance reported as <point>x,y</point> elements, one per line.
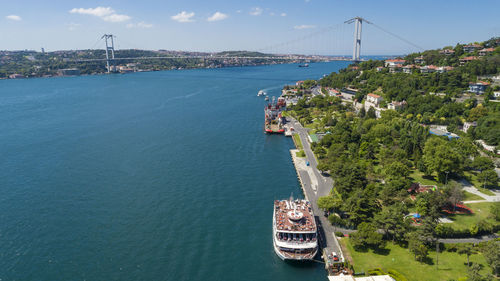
<point>487,198</point>
<point>468,240</point>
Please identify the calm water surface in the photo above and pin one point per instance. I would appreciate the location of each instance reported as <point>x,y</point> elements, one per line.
<point>145,176</point>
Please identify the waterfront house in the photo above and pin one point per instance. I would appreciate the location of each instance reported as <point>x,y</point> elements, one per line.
<point>379,68</point>
<point>485,51</point>
<point>299,83</point>
<point>471,48</point>
<point>478,87</point>
<point>419,60</point>
<point>468,125</point>
<point>467,59</point>
<point>68,72</point>
<point>16,76</point>
<point>447,52</point>
<point>394,62</point>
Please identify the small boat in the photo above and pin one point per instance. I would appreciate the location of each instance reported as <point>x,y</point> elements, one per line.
<point>304,65</point>
<point>267,98</point>
<point>261,93</point>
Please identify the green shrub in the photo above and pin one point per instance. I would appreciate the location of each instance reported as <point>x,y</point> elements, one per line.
<point>339,234</point>
<point>376,271</point>
<point>396,275</point>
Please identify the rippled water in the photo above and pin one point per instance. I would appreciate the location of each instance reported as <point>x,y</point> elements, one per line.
<point>145,176</point>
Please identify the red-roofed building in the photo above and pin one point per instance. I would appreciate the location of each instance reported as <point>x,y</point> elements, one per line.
<point>478,87</point>
<point>298,83</point>
<point>447,52</point>
<point>467,59</point>
<point>375,99</point>
<point>471,48</point>
<point>394,62</point>
<point>485,51</point>
<point>419,60</point>
<point>428,69</point>
<point>408,68</point>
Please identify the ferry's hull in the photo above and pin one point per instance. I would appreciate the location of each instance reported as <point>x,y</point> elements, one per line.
<point>285,258</point>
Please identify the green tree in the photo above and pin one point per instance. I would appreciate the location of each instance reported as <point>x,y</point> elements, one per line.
<point>482,163</point>
<point>495,211</point>
<point>391,221</point>
<point>466,249</point>
<point>417,247</point>
<point>488,178</point>
<point>367,236</point>
<point>326,202</point>
<point>491,252</point>
<point>440,157</point>
<point>371,113</point>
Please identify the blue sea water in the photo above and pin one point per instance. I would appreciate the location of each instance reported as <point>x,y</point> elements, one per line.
<point>145,176</point>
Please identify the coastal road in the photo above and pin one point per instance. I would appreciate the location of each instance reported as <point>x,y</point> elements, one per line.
<point>315,186</point>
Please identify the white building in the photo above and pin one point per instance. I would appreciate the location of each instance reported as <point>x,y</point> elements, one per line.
<point>467,126</point>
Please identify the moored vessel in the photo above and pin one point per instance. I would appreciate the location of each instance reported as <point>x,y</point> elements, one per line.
<point>294,230</point>
<point>274,120</point>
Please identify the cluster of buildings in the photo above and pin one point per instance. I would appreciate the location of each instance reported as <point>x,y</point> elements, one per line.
<point>397,65</point>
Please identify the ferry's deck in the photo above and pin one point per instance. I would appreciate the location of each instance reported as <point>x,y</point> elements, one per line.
<point>292,216</point>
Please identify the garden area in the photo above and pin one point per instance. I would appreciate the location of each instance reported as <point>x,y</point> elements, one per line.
<point>452,266</point>
<point>480,212</point>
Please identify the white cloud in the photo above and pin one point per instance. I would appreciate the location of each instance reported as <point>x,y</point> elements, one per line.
<point>183,17</point>
<point>271,13</point>
<point>140,25</point>
<point>217,16</point>
<point>98,11</point>
<point>105,13</point>
<point>304,26</point>
<point>283,14</point>
<point>238,11</point>
<point>256,11</point>
<point>116,18</point>
<point>13,17</point>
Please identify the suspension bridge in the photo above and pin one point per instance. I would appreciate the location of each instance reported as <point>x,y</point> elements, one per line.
<point>329,36</point>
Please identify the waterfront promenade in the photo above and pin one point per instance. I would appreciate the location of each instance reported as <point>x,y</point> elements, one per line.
<point>315,185</point>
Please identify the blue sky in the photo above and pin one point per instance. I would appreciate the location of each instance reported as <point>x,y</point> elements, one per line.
<point>197,25</point>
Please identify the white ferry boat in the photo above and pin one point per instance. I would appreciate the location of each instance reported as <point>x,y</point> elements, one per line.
<point>294,230</point>
<point>261,93</point>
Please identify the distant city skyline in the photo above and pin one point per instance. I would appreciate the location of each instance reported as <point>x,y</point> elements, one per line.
<point>281,26</point>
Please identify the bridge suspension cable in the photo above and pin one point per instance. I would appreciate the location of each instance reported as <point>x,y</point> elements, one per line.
<point>396,36</point>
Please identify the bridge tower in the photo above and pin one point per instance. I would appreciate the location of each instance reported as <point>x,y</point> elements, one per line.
<point>109,48</point>
<point>358,21</point>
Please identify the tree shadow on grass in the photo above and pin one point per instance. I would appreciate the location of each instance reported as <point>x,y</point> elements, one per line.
<point>428,260</point>
<point>382,251</point>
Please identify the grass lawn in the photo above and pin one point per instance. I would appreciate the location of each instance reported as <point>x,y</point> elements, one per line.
<point>481,211</point>
<point>451,265</point>
<point>418,176</point>
<point>297,141</point>
<point>469,196</point>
